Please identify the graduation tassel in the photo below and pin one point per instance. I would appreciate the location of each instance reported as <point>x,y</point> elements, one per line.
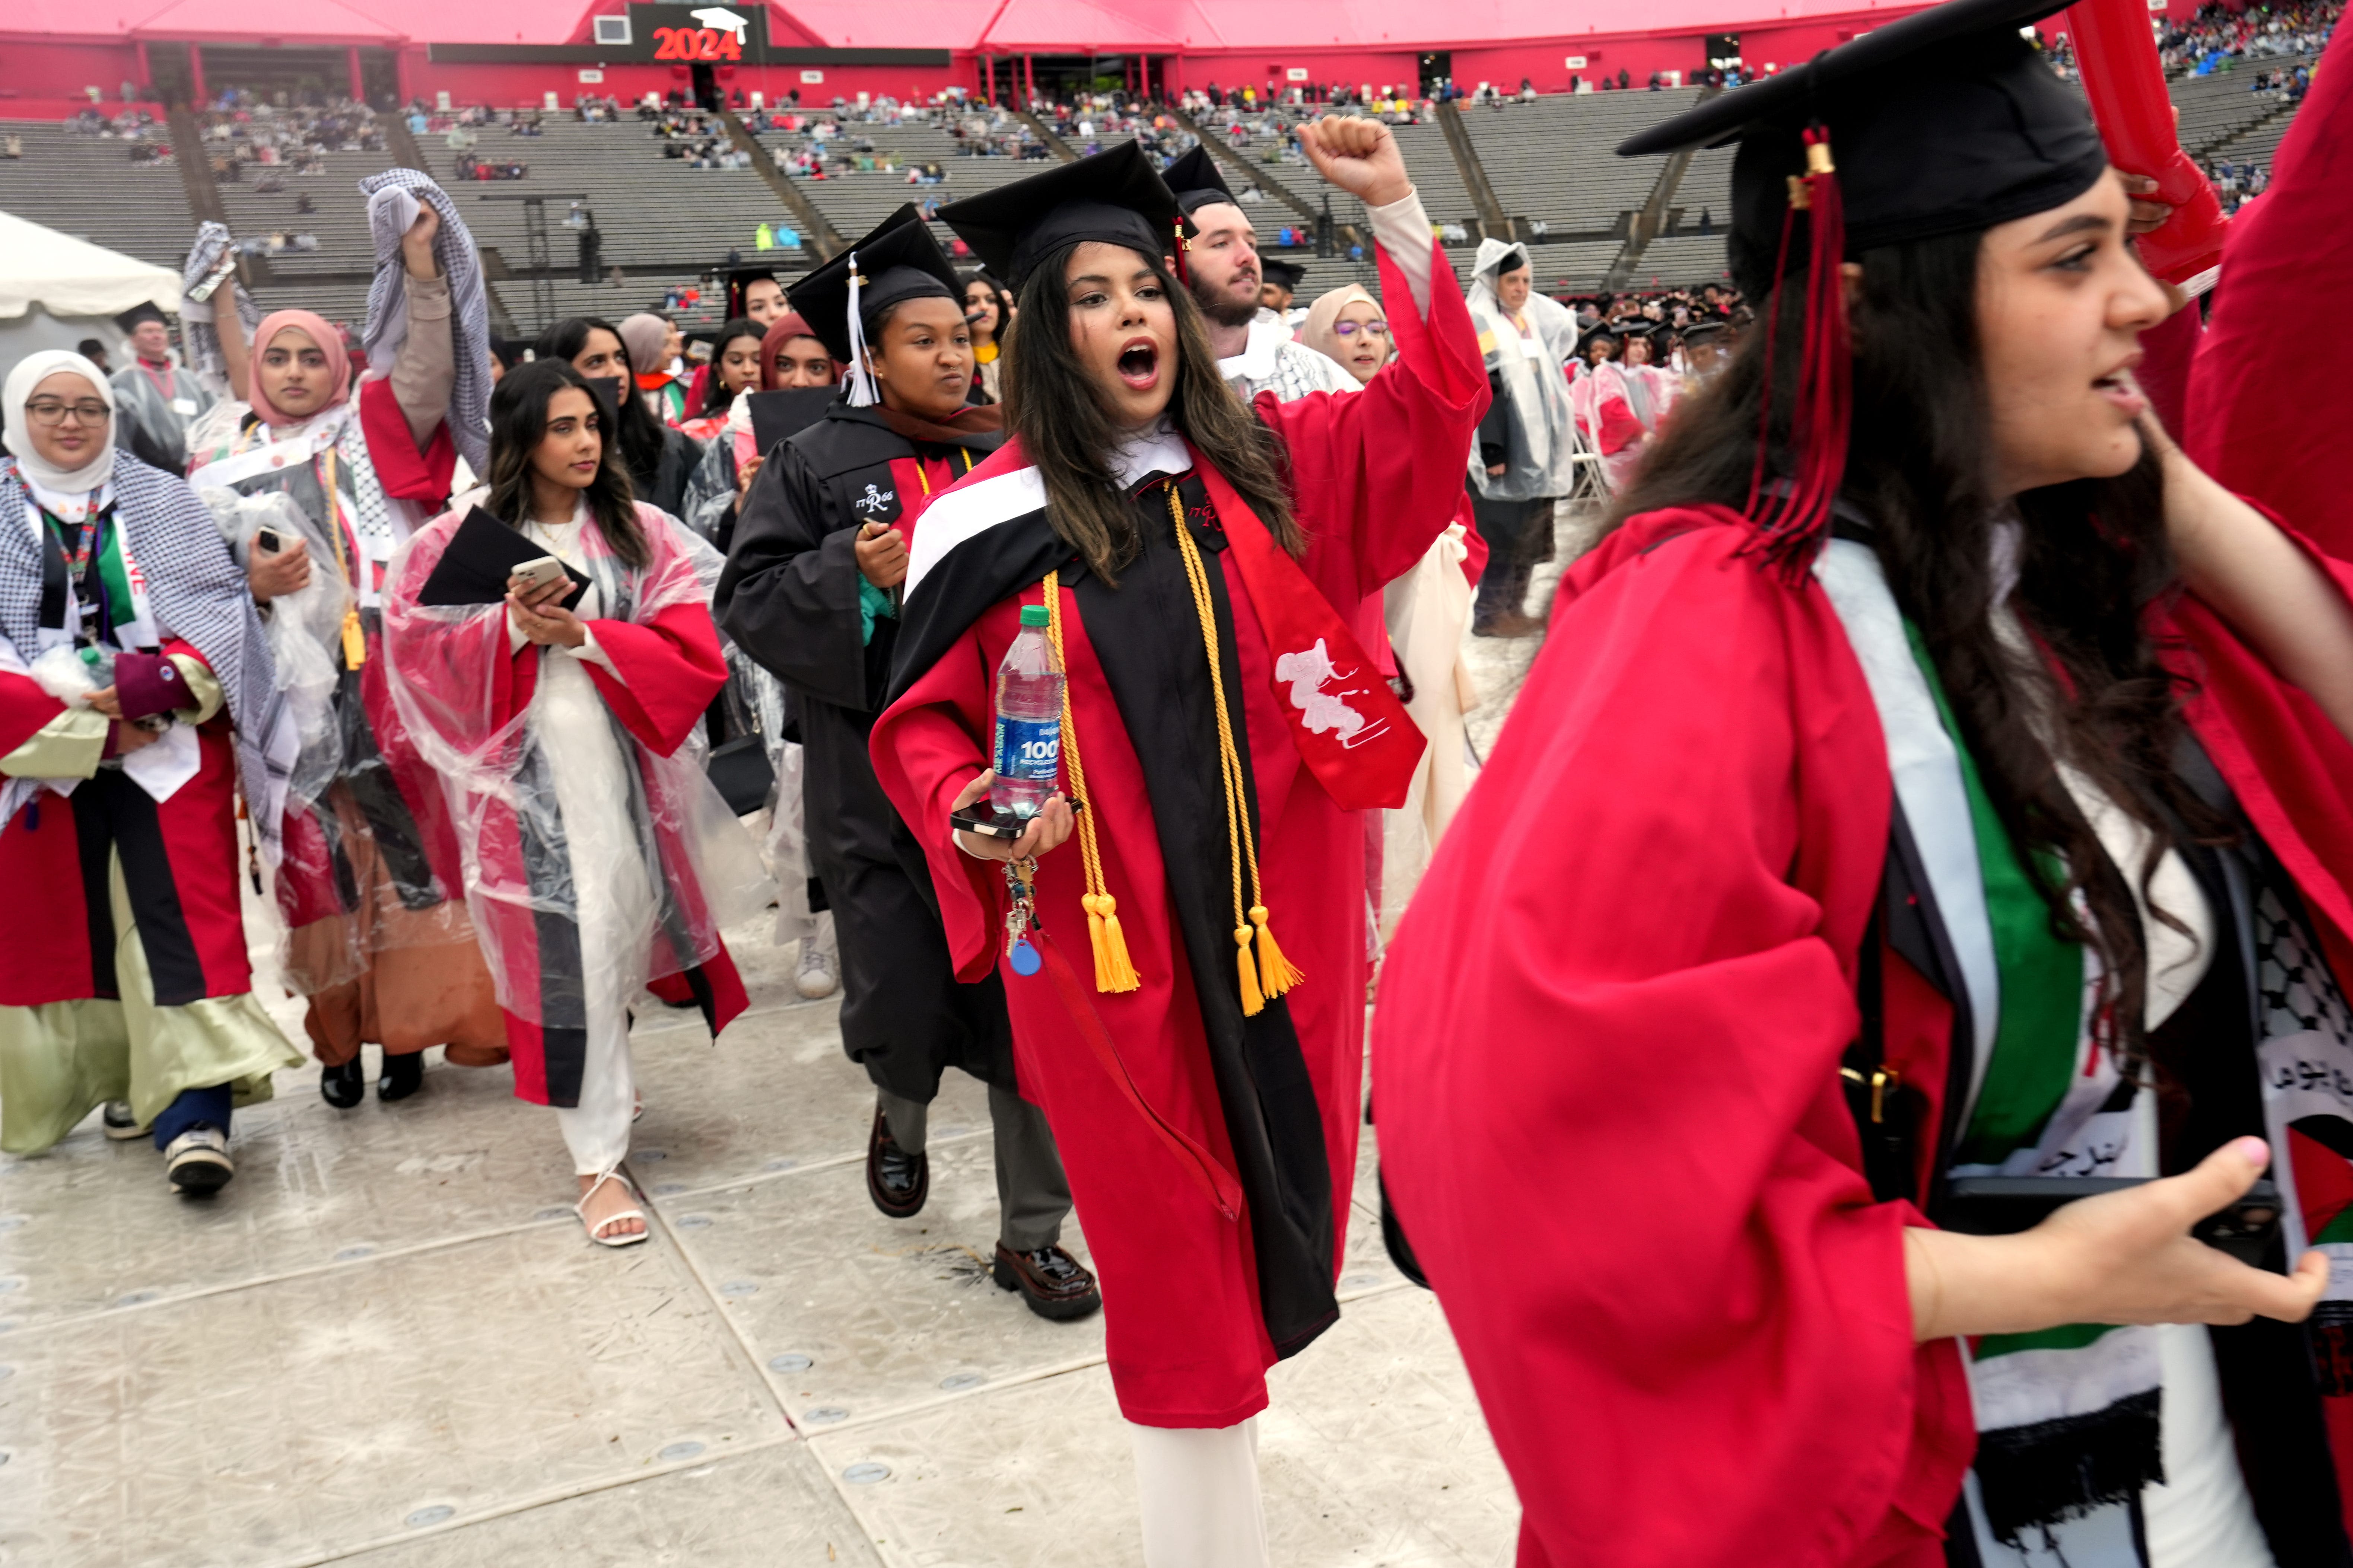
<point>1793,515</point>
<point>1253,1000</point>
<point>861,380</point>
<point>1275,973</point>
<point>1114,972</point>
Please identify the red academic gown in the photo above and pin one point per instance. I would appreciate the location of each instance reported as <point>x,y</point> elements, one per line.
<point>1607,1047</point>
<point>179,867</point>
<point>671,667</point>
<point>1144,1139</point>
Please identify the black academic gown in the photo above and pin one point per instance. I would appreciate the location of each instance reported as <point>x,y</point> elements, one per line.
<point>789,597</point>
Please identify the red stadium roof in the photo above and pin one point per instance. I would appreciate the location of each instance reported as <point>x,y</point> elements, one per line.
<point>1001,27</point>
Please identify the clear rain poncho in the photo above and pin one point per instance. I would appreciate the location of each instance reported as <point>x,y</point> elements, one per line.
<point>1530,372</point>
<point>580,897</point>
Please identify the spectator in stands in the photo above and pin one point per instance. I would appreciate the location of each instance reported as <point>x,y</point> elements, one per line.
<point>659,461</point>
<point>1520,463</point>
<point>988,312</point>
<point>155,398</point>
<point>145,850</point>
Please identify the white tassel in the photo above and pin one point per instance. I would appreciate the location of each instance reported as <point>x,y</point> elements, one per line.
<point>862,394</point>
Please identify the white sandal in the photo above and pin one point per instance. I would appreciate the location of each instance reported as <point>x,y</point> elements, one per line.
<point>595,1232</point>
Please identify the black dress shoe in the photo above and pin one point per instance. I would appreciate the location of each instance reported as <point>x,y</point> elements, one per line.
<point>1050,1280</point>
<point>404,1074</point>
<point>898,1182</point>
<point>343,1086</point>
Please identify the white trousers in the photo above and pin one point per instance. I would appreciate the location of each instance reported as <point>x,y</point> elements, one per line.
<point>1198,1491</point>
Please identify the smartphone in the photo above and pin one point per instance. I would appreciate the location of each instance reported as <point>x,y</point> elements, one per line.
<point>980,818</point>
<point>2004,1205</point>
<point>540,571</point>
<point>268,541</point>
<point>215,279</point>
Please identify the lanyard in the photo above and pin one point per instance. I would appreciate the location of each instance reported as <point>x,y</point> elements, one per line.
<point>84,568</point>
<point>354,638</point>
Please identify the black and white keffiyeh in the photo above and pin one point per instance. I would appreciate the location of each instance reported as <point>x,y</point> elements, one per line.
<point>197,591</point>
<point>196,324</point>
<point>394,196</point>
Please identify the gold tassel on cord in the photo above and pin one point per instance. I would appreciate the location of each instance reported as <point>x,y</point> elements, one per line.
<point>1275,974</point>
<point>1254,1003</point>
<point>1114,970</point>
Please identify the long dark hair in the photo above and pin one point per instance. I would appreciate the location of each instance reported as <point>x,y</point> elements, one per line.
<point>997,293</point>
<point>715,398</point>
<point>640,434</point>
<point>519,421</point>
<point>2092,561</point>
<point>1067,430</point>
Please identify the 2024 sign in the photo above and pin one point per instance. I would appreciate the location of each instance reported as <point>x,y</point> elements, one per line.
<point>697,44</point>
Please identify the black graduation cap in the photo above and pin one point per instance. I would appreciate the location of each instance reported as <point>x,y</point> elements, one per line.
<point>1700,331</point>
<point>899,260</point>
<point>1289,274</point>
<point>129,319</point>
<point>1195,181</point>
<point>1117,197</point>
<point>1604,331</point>
<point>739,284</point>
<point>1944,122</point>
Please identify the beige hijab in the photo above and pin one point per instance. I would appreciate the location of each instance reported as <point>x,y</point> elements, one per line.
<point>1324,314</point>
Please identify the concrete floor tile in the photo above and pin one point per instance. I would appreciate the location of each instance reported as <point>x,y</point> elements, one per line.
<point>1040,1475</point>
<point>773,1509</point>
<point>257,1424</point>
<point>775,1092</point>
<point>886,1313</point>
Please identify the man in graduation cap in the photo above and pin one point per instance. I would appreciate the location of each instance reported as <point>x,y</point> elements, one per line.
<point>155,398</point>
<point>1279,286</point>
<point>1254,347</point>
<point>1932,778</point>
<point>811,590</point>
<point>1199,564</point>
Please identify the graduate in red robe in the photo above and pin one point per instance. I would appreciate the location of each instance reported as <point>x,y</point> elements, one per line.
<point>1775,921</point>
<point>563,722</point>
<point>1204,1095</point>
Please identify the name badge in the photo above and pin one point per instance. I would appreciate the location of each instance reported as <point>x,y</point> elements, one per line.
<point>1531,348</point>
<point>184,406</point>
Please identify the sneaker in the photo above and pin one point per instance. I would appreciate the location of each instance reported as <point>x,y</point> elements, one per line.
<point>198,1163</point>
<point>120,1124</point>
<point>819,973</point>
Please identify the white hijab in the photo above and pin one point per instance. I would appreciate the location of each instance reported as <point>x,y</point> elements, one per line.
<point>42,475</point>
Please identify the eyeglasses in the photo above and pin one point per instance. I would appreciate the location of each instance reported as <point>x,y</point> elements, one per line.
<point>48,411</point>
<point>1370,329</point>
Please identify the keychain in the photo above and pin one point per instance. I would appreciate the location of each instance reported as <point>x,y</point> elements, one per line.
<point>1021,881</point>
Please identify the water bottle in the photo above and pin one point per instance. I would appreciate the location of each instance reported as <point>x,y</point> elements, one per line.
<point>1029,721</point>
<point>98,660</point>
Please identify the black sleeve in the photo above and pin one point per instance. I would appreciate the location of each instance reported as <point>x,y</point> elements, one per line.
<point>1495,427</point>
<point>789,592</point>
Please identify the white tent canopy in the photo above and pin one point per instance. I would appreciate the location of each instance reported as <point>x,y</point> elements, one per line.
<point>71,276</point>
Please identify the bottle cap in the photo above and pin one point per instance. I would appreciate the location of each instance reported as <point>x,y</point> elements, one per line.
<point>90,655</point>
<point>1033,615</point>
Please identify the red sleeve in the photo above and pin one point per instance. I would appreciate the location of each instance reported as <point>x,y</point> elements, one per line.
<point>1375,474</point>
<point>1620,429</point>
<point>1606,1050</point>
<point>25,709</point>
<point>403,471</point>
<point>670,668</point>
<point>2267,415</point>
<point>926,747</point>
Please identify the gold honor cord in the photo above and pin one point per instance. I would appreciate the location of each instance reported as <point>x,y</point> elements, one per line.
<point>1273,974</point>
<point>1113,972</point>
<point>354,639</point>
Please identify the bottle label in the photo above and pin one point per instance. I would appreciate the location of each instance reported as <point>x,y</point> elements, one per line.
<point>1028,749</point>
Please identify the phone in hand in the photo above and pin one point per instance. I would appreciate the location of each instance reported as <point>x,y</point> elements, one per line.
<point>219,275</point>
<point>540,572</point>
<point>269,542</point>
<point>2247,1229</point>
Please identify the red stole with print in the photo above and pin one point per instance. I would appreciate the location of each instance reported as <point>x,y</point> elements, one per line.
<point>1351,730</point>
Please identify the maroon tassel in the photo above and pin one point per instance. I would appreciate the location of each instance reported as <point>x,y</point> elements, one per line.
<point>1793,518</point>
<point>1184,273</point>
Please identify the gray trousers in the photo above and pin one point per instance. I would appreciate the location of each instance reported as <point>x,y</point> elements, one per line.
<point>1032,1193</point>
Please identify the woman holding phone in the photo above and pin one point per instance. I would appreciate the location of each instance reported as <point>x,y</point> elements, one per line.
<point>563,724</point>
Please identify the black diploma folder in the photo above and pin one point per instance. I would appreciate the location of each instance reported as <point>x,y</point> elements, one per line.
<point>479,558</point>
